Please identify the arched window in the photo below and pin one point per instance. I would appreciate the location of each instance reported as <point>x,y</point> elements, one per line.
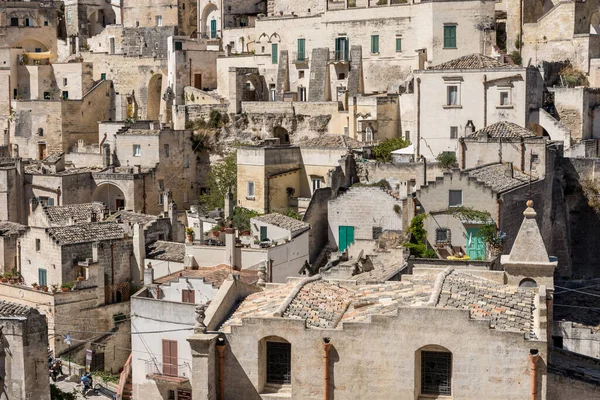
<point>528,283</point>
<point>434,371</point>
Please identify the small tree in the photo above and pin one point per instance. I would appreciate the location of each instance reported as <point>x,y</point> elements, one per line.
<point>241,218</point>
<point>447,159</point>
<point>222,177</point>
<point>383,151</point>
<point>418,242</point>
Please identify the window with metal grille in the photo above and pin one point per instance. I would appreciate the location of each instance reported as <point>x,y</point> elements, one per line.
<point>436,373</point>
<point>279,366</point>
<point>442,235</point>
<point>453,132</point>
<point>377,231</point>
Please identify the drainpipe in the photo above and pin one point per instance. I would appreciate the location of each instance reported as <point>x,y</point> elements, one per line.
<point>462,153</point>
<point>18,257</point>
<point>498,203</point>
<point>112,271</point>
<point>484,101</point>
<point>533,358</point>
<point>221,350</point>
<point>418,118</point>
<point>102,142</point>
<point>191,72</point>
<point>326,348</point>
<point>424,171</point>
<point>522,155</point>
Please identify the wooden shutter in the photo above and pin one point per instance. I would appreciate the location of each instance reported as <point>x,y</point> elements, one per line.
<point>274,54</point>
<point>301,49</point>
<point>169,348</point>
<point>188,296</point>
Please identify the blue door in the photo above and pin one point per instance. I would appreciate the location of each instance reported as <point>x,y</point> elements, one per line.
<point>475,244</point>
<point>42,277</point>
<point>346,237</point>
<point>213,29</point>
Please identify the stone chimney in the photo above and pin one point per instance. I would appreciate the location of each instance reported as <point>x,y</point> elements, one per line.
<point>230,247</point>
<point>229,203</point>
<point>148,275</point>
<point>139,249</point>
<point>528,263</point>
<point>93,217</point>
<point>106,155</point>
<point>166,201</point>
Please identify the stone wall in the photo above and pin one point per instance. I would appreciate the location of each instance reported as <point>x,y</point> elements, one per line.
<point>316,216</point>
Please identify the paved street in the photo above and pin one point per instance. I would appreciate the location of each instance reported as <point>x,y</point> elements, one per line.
<point>67,386</point>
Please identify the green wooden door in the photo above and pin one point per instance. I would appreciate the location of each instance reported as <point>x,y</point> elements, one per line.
<point>263,233</point>
<point>346,237</point>
<point>213,29</point>
<point>301,49</point>
<point>475,244</point>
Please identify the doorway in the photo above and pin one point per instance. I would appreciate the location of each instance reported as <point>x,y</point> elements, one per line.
<point>346,237</point>
<point>42,151</point>
<point>198,81</point>
<point>475,244</point>
<point>120,203</point>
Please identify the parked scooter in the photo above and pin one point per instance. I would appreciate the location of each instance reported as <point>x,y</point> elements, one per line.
<point>87,383</point>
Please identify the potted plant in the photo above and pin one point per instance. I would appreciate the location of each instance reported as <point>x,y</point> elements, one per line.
<point>65,287</point>
<point>54,288</point>
<point>216,231</point>
<point>3,278</point>
<point>34,285</point>
<point>190,234</point>
<point>44,288</point>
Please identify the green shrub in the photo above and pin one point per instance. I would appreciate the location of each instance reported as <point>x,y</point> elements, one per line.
<point>515,56</point>
<point>418,242</point>
<point>447,159</point>
<point>383,151</point>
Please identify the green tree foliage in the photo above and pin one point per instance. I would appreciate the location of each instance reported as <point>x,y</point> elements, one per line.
<point>383,151</point>
<point>222,176</point>
<point>418,242</point>
<point>447,159</point>
<point>241,218</point>
<point>292,214</point>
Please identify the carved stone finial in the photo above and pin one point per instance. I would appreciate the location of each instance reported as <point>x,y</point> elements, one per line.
<point>262,274</point>
<point>529,211</point>
<point>200,315</point>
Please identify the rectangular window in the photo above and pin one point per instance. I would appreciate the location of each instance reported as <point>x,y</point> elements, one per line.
<point>28,22</point>
<point>375,44</point>
<point>166,150</point>
<point>50,202</point>
<point>250,193</point>
<point>398,45</point>
<point>178,45</point>
<point>112,45</point>
<point>161,184</point>
<point>185,197</point>
<point>504,99</point>
<point>70,17</point>
<point>65,95</point>
<point>159,20</point>
<point>316,184</point>
<point>455,198</point>
<point>442,235</point>
<point>302,92</point>
<point>274,54</point>
<point>171,395</point>
<point>376,232</point>
<point>407,135</point>
<point>186,161</point>
<point>452,95</point>
<point>272,92</point>
<point>450,36</point>
<point>301,50</point>
<point>160,199</point>
<point>38,49</point>
<point>103,76</point>
<point>535,158</point>
<point>65,81</point>
<point>137,150</point>
<point>279,363</point>
<point>38,244</point>
<point>42,277</point>
<point>341,49</point>
<point>263,233</point>
<point>46,23</point>
<point>169,357</point>
<point>436,373</point>
<point>46,95</point>
<point>454,132</point>
<point>188,296</point>
<point>14,22</point>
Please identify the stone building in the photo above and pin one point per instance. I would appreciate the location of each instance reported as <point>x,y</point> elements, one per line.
<point>162,362</point>
<point>23,352</point>
<point>453,99</point>
<point>10,232</point>
<point>363,213</point>
<point>298,339</point>
<point>275,178</point>
<point>12,193</point>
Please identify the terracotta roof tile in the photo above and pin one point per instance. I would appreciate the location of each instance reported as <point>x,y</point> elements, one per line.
<point>167,251</point>
<point>84,233</point>
<point>472,61</point>
<point>214,275</point>
<point>283,221</point>
<point>499,177</point>
<point>8,309</point>
<point>503,129</point>
<point>79,212</point>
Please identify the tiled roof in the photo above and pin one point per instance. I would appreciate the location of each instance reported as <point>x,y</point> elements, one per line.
<point>503,129</point>
<point>144,132</point>
<point>324,304</point>
<point>8,309</point>
<point>472,61</point>
<point>80,212</point>
<point>132,217</point>
<point>283,221</point>
<point>575,366</point>
<point>8,228</point>
<point>84,233</point>
<point>499,177</point>
<point>333,141</point>
<point>214,275</point>
<point>167,251</point>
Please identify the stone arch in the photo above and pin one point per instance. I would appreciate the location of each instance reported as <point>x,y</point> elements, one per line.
<point>528,283</point>
<point>595,23</point>
<point>437,361</point>
<point>30,44</point>
<point>265,36</point>
<point>111,195</point>
<point>253,88</point>
<point>275,38</point>
<point>154,92</point>
<point>99,19</point>
<point>209,29</point>
<point>265,346</point>
<point>283,135</point>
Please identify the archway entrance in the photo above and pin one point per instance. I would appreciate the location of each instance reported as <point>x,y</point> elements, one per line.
<point>154,90</point>
<point>211,23</point>
<point>282,134</point>
<point>111,195</point>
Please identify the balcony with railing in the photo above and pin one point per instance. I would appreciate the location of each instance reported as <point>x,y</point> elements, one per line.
<point>171,373</point>
<point>339,56</point>
<point>300,58</point>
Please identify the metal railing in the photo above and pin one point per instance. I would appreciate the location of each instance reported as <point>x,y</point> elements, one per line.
<point>300,57</point>
<point>339,55</point>
<point>154,368</point>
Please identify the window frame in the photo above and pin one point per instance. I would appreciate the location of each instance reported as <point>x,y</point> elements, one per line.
<point>447,235</point>
<point>38,244</point>
<point>188,296</point>
<point>398,44</point>
<point>158,20</point>
<point>450,35</point>
<point>449,102</point>
<point>435,356</point>
<point>450,193</point>
<point>250,194</point>
<point>375,44</point>
<point>301,50</point>
<point>316,183</point>
<point>454,132</point>
<point>271,348</point>
<point>137,147</point>
<point>166,150</point>
<point>274,53</point>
